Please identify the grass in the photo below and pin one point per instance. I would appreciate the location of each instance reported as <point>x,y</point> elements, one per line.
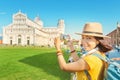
<point>30,63</point>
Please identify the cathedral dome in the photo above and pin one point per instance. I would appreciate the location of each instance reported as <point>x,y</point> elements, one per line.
<point>38,21</point>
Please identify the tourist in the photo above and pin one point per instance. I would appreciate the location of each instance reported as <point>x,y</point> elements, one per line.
<point>88,66</point>
<point>118,48</point>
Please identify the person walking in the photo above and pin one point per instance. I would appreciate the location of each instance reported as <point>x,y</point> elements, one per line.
<point>118,47</point>
<point>88,66</point>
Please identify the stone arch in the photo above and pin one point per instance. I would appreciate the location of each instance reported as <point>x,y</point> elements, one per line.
<point>28,40</point>
<point>11,42</point>
<point>19,39</point>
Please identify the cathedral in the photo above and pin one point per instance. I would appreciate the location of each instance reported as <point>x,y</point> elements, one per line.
<point>115,36</point>
<point>24,31</point>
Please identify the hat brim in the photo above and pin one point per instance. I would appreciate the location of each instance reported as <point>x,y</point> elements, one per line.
<point>96,35</point>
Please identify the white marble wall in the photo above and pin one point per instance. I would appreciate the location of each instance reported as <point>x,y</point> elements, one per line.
<point>24,28</point>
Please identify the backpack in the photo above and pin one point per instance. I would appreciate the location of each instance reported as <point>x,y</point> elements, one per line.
<point>112,72</point>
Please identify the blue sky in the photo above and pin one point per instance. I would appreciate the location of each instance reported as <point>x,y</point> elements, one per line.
<point>74,12</point>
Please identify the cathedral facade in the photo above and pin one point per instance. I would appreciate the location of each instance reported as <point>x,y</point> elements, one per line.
<point>24,31</point>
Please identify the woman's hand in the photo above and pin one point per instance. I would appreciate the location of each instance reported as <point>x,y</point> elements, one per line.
<point>69,42</point>
<point>57,43</point>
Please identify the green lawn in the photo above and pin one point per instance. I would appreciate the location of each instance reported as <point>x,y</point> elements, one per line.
<point>30,63</point>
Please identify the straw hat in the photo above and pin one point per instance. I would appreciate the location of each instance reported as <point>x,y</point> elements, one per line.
<point>93,29</point>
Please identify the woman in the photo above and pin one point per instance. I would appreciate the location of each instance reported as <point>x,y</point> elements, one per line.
<point>88,66</point>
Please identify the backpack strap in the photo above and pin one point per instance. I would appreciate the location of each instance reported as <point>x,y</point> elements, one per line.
<point>101,57</point>
<point>105,65</point>
<point>87,74</point>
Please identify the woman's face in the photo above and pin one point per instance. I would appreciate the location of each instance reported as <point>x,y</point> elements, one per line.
<point>89,42</point>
